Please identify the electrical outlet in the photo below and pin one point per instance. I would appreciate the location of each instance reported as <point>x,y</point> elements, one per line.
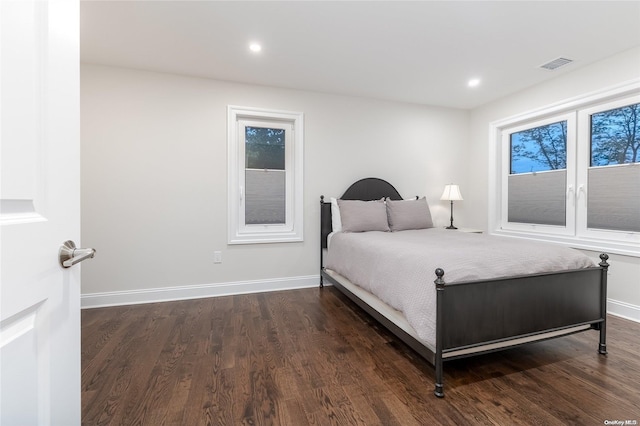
<point>217,257</point>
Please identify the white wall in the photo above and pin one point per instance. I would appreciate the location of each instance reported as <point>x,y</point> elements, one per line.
<point>154,171</point>
<point>154,178</point>
<point>624,281</point>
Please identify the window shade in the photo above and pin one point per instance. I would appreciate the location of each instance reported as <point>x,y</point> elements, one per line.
<point>538,198</point>
<point>614,198</point>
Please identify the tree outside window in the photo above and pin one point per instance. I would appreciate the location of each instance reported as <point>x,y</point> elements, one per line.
<point>615,136</point>
<point>539,149</point>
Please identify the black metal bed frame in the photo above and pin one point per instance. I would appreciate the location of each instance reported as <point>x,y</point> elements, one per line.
<point>476,316</point>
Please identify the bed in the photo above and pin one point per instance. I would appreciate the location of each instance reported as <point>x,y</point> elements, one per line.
<point>449,294</point>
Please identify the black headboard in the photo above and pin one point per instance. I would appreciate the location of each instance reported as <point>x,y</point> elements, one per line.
<point>367,189</point>
<point>371,189</point>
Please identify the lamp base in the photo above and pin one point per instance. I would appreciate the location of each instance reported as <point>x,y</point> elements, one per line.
<point>451,223</point>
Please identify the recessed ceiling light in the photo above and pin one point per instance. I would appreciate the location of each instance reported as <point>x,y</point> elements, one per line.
<point>255,47</point>
<point>474,82</point>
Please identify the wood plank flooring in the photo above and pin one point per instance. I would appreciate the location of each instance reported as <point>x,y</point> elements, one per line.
<point>311,357</point>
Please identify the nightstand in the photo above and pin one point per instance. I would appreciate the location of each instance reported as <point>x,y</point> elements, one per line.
<point>470,230</point>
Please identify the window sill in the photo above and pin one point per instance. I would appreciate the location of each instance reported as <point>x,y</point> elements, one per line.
<point>265,238</point>
<point>631,248</point>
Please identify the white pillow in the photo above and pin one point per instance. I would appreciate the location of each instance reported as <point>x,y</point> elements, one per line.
<point>336,222</point>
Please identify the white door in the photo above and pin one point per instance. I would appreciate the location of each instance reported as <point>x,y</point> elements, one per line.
<point>40,210</point>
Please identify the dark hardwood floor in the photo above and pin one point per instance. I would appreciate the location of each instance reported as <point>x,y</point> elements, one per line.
<point>312,357</point>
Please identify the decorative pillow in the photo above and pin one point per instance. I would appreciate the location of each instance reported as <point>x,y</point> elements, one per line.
<point>362,216</point>
<point>409,214</point>
<point>336,223</point>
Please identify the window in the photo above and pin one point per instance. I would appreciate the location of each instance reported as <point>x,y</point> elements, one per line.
<point>538,174</point>
<point>571,173</point>
<point>265,175</point>
<point>610,195</point>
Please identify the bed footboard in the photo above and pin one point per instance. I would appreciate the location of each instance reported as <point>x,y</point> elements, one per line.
<point>475,314</point>
<point>602,326</point>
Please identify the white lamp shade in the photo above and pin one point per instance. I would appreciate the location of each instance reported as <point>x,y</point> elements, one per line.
<point>451,193</point>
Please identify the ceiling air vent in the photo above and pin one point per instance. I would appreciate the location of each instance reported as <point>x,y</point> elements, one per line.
<point>556,63</point>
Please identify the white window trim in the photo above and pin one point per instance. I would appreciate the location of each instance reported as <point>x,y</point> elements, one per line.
<point>292,230</point>
<point>584,154</point>
<point>570,170</point>
<point>615,242</point>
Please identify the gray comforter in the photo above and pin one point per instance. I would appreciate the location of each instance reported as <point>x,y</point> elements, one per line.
<point>398,267</point>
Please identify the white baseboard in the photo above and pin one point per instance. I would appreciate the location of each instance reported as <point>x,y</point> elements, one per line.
<point>624,310</point>
<point>166,294</point>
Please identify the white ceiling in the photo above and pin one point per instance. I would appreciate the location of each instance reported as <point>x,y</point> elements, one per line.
<point>419,51</point>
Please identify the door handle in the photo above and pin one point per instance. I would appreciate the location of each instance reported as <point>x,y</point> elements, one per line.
<point>69,255</point>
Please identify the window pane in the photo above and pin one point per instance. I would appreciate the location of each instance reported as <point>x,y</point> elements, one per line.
<point>537,183</point>
<point>615,136</point>
<point>264,148</point>
<point>614,191</point>
<point>539,149</point>
<point>265,176</point>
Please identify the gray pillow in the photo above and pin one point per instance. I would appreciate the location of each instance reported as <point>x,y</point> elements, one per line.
<point>362,216</point>
<point>409,214</point>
